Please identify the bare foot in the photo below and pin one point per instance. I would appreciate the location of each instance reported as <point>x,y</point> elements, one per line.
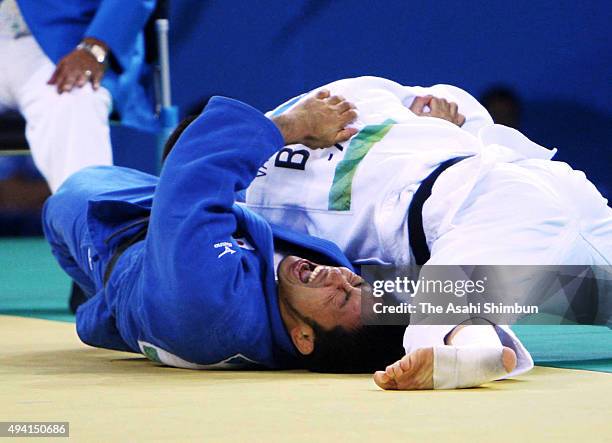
<point>414,371</point>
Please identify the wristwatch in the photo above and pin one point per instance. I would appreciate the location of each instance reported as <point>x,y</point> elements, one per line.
<point>97,51</point>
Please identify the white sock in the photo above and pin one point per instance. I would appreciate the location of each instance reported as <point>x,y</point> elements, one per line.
<point>466,366</point>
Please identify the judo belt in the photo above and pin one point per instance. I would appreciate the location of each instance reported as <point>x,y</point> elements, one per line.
<point>416,233</point>
<point>125,243</point>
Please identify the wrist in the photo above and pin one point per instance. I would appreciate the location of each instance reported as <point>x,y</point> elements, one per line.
<point>94,47</point>
<point>95,41</point>
<point>288,129</point>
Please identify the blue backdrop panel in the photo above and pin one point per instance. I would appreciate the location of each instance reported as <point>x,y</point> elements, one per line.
<point>555,54</point>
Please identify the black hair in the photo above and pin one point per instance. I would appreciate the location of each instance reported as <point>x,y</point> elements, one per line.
<point>500,92</point>
<point>192,113</point>
<point>338,350</point>
<point>364,350</point>
<point>176,134</point>
<point>504,105</point>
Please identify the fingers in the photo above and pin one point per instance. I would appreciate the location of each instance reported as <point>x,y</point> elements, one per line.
<point>58,77</point>
<point>348,112</point>
<point>419,104</point>
<point>438,106</point>
<point>82,79</point>
<point>69,81</point>
<point>96,78</point>
<point>345,134</point>
<point>344,106</point>
<point>335,99</point>
<point>60,81</point>
<point>321,120</point>
<point>348,117</point>
<point>64,79</point>
<point>452,110</point>
<point>55,75</point>
<point>460,120</point>
<point>78,68</point>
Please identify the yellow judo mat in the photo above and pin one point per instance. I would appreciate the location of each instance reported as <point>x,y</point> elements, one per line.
<point>46,374</point>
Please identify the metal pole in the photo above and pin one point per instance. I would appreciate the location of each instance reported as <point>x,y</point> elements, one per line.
<point>168,115</point>
<point>162,27</point>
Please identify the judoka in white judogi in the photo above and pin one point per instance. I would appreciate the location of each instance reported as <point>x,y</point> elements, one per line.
<point>506,204</point>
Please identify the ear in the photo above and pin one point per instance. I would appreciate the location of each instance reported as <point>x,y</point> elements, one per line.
<point>303,338</point>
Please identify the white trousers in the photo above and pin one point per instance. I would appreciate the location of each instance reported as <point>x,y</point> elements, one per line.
<point>66,132</point>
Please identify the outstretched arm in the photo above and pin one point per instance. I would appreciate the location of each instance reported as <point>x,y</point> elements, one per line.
<point>194,274</point>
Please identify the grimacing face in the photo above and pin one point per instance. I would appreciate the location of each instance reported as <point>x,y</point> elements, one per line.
<point>331,296</point>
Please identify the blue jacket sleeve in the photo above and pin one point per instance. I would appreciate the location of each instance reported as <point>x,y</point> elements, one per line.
<point>117,23</point>
<point>192,287</point>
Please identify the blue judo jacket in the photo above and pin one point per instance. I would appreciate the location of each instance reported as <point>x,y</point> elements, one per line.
<point>189,295</point>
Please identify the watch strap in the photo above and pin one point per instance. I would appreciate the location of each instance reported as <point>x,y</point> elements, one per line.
<point>98,52</point>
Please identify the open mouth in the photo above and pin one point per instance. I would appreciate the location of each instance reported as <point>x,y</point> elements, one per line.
<point>307,272</point>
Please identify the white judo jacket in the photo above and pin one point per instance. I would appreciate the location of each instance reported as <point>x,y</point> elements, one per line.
<point>505,204</point>
<point>357,194</point>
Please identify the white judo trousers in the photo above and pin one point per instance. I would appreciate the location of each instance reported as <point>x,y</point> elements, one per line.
<point>506,204</point>
<point>66,132</point>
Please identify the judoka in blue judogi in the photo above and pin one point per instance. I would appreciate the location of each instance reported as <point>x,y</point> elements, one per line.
<point>178,271</point>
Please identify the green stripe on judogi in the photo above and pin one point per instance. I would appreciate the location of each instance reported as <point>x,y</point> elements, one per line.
<point>340,192</point>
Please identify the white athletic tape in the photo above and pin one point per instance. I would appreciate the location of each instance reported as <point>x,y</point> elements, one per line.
<point>476,334</point>
<point>466,366</point>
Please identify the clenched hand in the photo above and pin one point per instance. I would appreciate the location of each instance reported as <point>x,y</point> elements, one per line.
<point>439,108</point>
